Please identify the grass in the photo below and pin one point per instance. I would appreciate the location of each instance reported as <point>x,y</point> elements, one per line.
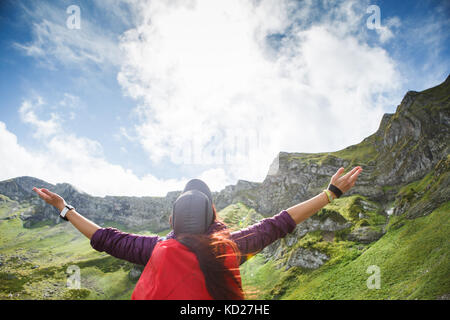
<point>35,262</point>
<point>258,277</point>
<point>413,259</point>
<point>362,153</point>
<point>350,208</point>
<point>358,154</point>
<point>413,256</point>
<point>238,216</point>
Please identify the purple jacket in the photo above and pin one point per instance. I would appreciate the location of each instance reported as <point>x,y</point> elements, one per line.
<point>138,249</point>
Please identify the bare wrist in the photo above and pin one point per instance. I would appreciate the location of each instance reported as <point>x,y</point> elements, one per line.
<point>70,213</point>
<point>60,206</point>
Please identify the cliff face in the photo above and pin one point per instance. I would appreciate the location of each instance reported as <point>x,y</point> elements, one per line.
<point>415,138</point>
<point>406,146</point>
<point>150,213</point>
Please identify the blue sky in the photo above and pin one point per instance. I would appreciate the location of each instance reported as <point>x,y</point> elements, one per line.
<point>148,94</point>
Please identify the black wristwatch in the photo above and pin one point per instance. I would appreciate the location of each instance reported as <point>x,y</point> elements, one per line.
<point>64,211</point>
<point>335,190</point>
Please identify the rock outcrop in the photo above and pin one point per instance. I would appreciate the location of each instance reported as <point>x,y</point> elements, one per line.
<point>406,146</point>
<point>149,213</point>
<point>364,235</point>
<point>307,259</point>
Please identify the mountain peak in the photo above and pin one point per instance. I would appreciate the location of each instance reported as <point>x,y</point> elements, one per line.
<point>22,187</point>
<point>405,147</point>
<point>70,188</point>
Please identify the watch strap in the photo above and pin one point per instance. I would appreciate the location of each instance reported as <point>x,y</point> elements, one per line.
<point>64,211</point>
<point>335,190</point>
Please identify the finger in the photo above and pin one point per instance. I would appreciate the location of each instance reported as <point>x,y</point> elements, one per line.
<point>350,173</point>
<point>41,194</point>
<point>37,190</point>
<point>354,176</point>
<point>48,192</point>
<point>338,173</point>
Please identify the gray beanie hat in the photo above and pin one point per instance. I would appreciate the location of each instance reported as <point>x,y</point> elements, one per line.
<point>192,211</point>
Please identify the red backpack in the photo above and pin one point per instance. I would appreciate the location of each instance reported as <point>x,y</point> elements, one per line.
<point>173,273</point>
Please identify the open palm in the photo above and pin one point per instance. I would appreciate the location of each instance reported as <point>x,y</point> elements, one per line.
<point>50,197</point>
<point>347,181</point>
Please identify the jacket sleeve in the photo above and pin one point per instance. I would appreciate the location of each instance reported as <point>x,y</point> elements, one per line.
<point>131,247</point>
<point>253,239</point>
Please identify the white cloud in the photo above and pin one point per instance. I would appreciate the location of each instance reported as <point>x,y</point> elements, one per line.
<point>69,100</point>
<point>386,30</point>
<point>77,161</point>
<point>44,128</point>
<point>60,156</point>
<point>206,78</point>
<point>15,159</point>
<point>215,178</point>
<point>123,133</point>
<point>53,41</point>
<point>204,68</point>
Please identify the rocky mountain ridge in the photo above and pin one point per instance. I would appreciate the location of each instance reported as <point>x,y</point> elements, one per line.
<point>396,218</point>
<point>150,213</point>
<point>406,146</point>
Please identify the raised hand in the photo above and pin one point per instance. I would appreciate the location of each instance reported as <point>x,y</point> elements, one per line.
<point>51,198</point>
<point>347,181</point>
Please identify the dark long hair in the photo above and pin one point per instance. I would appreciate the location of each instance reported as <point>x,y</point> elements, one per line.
<point>211,251</point>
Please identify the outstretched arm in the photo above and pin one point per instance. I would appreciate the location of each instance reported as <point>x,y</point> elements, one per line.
<point>256,237</point>
<point>304,210</point>
<point>131,247</point>
<point>85,226</point>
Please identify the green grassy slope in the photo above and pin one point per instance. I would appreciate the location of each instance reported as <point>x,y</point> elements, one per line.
<point>34,262</point>
<point>413,259</point>
<point>238,216</point>
<point>413,255</point>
